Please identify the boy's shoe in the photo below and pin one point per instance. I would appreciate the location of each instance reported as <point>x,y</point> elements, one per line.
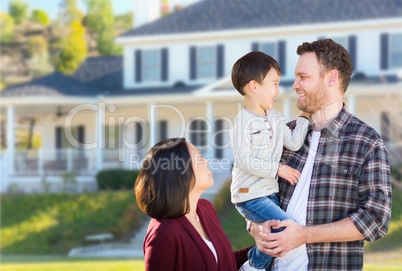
<point>246,267</point>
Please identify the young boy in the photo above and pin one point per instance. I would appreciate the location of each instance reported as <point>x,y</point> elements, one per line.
<point>257,139</point>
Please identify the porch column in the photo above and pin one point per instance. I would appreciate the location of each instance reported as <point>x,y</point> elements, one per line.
<point>210,116</point>
<point>352,104</point>
<point>286,110</point>
<point>101,136</point>
<point>152,125</point>
<point>10,139</point>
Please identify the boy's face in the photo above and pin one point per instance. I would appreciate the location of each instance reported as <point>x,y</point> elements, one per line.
<point>268,90</point>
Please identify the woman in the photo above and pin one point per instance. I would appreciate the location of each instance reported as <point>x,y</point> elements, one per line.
<point>185,233</point>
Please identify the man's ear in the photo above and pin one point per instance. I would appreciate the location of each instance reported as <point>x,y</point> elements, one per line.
<point>332,77</point>
<point>252,86</point>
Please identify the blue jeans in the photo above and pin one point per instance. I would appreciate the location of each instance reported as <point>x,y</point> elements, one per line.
<point>258,210</point>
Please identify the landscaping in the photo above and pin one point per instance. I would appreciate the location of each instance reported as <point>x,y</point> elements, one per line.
<point>55,223</point>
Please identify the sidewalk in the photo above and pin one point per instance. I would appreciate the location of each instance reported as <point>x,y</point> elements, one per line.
<point>133,249</point>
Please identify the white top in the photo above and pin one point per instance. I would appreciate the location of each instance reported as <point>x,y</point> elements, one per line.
<point>211,247</point>
<point>257,142</point>
<point>297,259</point>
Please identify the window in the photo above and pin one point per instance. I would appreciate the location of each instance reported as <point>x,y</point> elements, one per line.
<point>276,50</point>
<point>396,51</point>
<point>112,136</point>
<point>341,41</point>
<point>151,65</point>
<point>206,66</point>
<point>197,133</point>
<point>269,49</point>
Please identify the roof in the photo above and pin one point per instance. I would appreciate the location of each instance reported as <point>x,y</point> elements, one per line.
<point>60,85</point>
<point>52,85</point>
<point>218,15</point>
<point>102,72</point>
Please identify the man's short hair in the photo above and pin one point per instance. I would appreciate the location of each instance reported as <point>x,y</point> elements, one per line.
<point>163,185</point>
<point>330,56</point>
<point>252,66</point>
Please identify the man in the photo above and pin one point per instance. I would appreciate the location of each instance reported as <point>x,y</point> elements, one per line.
<point>343,196</point>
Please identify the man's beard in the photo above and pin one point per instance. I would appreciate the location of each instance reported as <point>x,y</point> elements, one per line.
<point>314,99</point>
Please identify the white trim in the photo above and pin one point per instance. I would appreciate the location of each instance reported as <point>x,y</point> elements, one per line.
<point>266,31</point>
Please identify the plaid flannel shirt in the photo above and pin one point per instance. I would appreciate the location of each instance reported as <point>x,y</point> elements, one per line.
<point>350,178</point>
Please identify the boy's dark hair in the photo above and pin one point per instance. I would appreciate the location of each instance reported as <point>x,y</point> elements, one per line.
<point>252,66</point>
<point>330,56</point>
<point>163,185</point>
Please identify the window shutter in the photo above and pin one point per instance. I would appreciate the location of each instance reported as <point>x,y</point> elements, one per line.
<point>162,130</point>
<point>352,43</point>
<point>59,137</point>
<point>193,63</point>
<point>81,134</point>
<point>138,66</point>
<point>282,56</point>
<point>384,51</point>
<point>218,139</point>
<point>220,58</point>
<point>138,132</point>
<point>165,64</point>
<point>255,46</point>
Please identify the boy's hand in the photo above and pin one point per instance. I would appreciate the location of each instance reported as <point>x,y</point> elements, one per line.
<point>305,114</point>
<point>289,174</point>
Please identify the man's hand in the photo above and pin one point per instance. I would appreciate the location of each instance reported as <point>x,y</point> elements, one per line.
<point>289,174</point>
<point>280,243</point>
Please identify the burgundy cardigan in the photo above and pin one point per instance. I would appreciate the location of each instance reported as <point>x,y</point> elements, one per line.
<point>174,244</point>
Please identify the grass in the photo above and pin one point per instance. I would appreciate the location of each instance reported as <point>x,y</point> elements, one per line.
<point>78,264</point>
<point>69,264</point>
<point>55,223</point>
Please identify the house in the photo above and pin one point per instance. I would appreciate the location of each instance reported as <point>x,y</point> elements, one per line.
<point>174,80</point>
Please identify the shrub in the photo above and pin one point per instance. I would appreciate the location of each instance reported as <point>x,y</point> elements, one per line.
<point>116,179</point>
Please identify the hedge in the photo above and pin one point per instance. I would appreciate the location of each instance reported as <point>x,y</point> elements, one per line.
<point>116,179</point>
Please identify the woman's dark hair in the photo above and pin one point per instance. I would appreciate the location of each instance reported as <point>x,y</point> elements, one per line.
<point>163,185</point>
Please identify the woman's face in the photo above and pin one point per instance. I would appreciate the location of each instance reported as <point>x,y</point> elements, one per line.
<point>203,176</point>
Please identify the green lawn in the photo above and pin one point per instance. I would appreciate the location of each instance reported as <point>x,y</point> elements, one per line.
<point>73,264</point>
<point>55,223</point>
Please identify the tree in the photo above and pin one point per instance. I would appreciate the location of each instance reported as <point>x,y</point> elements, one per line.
<point>40,16</point>
<point>6,28</point>
<point>19,11</point>
<point>37,45</point>
<point>69,12</point>
<point>73,49</point>
<point>101,20</point>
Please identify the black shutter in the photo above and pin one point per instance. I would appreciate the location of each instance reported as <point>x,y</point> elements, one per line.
<point>138,132</point>
<point>138,66</point>
<point>165,64</point>
<point>352,43</point>
<point>193,63</point>
<point>255,46</point>
<point>162,130</point>
<point>384,51</point>
<point>220,58</point>
<point>282,56</point>
<point>218,139</point>
<point>59,137</point>
<point>81,134</point>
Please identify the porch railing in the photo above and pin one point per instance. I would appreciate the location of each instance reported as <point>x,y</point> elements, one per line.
<point>47,162</point>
